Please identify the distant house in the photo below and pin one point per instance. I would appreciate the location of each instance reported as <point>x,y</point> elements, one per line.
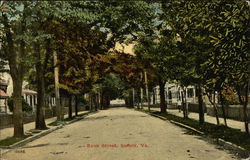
<point>29,96</point>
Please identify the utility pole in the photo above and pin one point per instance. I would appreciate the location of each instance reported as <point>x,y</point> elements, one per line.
<point>141,92</point>
<point>147,94</point>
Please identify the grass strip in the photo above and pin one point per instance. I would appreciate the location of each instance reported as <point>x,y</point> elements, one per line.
<point>12,140</point>
<point>232,135</point>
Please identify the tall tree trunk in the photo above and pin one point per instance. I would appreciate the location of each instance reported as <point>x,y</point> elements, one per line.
<point>76,106</point>
<point>201,108</point>
<point>223,108</point>
<point>17,73</point>
<point>245,108</point>
<point>57,93</point>
<point>40,117</point>
<point>17,108</point>
<point>162,96</point>
<point>184,102</point>
<point>70,107</point>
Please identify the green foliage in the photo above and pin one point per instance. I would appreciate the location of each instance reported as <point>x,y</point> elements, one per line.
<point>111,85</point>
<point>25,105</point>
<point>214,34</point>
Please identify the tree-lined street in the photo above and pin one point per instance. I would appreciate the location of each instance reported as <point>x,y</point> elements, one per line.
<point>93,138</point>
<point>63,57</point>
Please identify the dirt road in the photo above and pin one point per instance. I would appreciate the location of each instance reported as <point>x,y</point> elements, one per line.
<point>119,134</point>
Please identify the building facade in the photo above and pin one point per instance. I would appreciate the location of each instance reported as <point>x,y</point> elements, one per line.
<point>174,94</point>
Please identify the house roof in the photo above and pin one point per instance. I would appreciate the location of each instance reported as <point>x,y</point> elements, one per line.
<point>28,91</point>
<point>3,94</point>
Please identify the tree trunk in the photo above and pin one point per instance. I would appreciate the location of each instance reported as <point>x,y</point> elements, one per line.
<point>184,102</point>
<point>17,108</point>
<point>162,96</point>
<point>154,92</point>
<point>63,104</point>
<point>96,101</point>
<point>16,72</point>
<point>214,106</point>
<point>146,85</point>
<point>57,93</point>
<point>223,108</point>
<point>76,106</point>
<point>70,107</point>
<point>40,110</point>
<point>216,110</point>
<point>90,102</point>
<point>133,97</point>
<point>138,98</point>
<point>141,98</point>
<point>108,101</point>
<point>201,108</point>
<point>245,108</point>
<point>102,100</point>
<point>239,96</point>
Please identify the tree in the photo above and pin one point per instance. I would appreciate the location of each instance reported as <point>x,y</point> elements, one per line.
<point>14,22</point>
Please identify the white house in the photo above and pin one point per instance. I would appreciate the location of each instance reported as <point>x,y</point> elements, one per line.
<point>173,94</point>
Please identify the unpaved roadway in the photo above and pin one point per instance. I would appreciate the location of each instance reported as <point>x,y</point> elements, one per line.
<point>119,134</point>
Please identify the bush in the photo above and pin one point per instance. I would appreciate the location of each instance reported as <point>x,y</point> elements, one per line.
<point>25,105</point>
<point>230,96</point>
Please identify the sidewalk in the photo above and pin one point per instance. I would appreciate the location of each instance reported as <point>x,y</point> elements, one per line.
<point>231,123</point>
<point>8,132</point>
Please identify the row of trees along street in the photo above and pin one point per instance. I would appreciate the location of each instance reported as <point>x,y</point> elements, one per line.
<point>68,49</point>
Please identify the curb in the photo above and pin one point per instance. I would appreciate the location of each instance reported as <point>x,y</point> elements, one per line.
<point>39,135</point>
<point>242,151</point>
<point>187,127</point>
<point>81,117</point>
<point>179,124</point>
